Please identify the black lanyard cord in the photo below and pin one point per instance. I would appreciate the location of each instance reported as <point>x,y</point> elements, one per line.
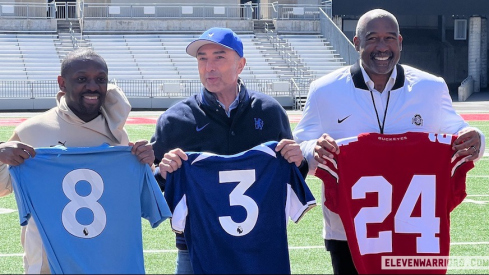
<point>381,126</point>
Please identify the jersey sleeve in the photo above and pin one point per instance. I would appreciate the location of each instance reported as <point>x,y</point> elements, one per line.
<point>175,196</point>
<point>153,205</point>
<point>23,207</point>
<point>329,175</point>
<point>299,197</point>
<point>458,184</point>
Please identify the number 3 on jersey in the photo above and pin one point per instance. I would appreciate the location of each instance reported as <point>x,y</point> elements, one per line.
<point>245,179</point>
<point>422,187</point>
<point>77,202</point>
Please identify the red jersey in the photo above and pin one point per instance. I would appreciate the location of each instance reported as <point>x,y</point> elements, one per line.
<point>394,194</point>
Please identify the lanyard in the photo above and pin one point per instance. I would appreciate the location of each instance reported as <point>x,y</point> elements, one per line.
<point>381,126</point>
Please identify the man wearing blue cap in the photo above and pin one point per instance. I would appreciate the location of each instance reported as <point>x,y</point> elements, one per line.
<point>224,118</point>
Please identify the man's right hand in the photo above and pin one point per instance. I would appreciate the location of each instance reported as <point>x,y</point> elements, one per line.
<point>172,161</point>
<point>15,152</point>
<point>325,147</point>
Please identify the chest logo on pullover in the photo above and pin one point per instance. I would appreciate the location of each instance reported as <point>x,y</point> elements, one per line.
<point>198,129</point>
<point>259,124</point>
<point>59,143</point>
<point>341,120</point>
<point>417,120</point>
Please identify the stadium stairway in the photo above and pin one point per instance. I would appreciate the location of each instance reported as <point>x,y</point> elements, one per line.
<point>278,57</point>
<point>314,53</point>
<point>300,55</point>
<point>162,56</point>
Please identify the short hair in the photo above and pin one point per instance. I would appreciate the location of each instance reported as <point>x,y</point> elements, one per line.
<point>79,54</point>
<point>373,14</point>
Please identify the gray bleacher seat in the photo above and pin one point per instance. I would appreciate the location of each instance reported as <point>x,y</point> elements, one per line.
<point>315,53</point>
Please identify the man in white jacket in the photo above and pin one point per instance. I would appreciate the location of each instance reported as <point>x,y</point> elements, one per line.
<point>89,112</point>
<point>375,95</point>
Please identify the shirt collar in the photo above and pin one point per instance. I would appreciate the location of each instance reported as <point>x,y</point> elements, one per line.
<point>234,104</point>
<point>370,83</point>
<point>209,99</point>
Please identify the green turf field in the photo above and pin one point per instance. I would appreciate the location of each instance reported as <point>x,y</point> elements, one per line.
<point>470,226</point>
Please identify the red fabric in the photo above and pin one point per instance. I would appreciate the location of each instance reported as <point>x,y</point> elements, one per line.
<point>395,160</point>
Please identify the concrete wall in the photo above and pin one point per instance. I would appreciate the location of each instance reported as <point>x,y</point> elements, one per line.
<point>302,2</point>
<point>165,2</point>
<point>31,25</point>
<point>162,25</point>
<point>137,103</point>
<point>7,104</point>
<point>23,1</point>
<point>413,7</point>
<point>297,26</point>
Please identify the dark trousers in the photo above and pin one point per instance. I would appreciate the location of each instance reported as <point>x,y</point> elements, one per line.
<point>340,257</point>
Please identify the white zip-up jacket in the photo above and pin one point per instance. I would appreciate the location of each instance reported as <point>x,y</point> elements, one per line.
<point>344,104</point>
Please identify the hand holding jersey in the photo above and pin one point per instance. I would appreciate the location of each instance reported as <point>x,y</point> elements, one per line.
<point>172,160</point>
<point>143,151</point>
<point>291,151</point>
<point>468,143</point>
<point>15,152</point>
<point>325,147</point>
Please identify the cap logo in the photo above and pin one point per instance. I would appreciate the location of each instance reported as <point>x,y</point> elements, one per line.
<point>211,34</point>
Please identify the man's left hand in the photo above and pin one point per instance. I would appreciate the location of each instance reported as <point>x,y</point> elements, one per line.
<point>468,143</point>
<point>144,151</point>
<point>290,150</point>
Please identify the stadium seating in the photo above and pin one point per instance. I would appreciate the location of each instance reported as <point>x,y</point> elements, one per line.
<point>156,56</point>
<point>315,53</point>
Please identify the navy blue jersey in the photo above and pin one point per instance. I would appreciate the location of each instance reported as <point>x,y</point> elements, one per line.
<point>87,204</point>
<point>234,209</point>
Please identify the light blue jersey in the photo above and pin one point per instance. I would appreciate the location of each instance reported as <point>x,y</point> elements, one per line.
<point>87,203</point>
<point>234,209</point>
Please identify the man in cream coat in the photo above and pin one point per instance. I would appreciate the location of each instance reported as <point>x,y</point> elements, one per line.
<point>89,112</point>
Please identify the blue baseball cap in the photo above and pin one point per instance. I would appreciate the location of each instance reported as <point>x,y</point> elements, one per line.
<point>221,36</point>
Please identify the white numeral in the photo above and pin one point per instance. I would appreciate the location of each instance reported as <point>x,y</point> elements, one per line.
<point>443,139</point>
<point>421,187</point>
<point>373,214</point>
<point>77,202</point>
<point>245,179</point>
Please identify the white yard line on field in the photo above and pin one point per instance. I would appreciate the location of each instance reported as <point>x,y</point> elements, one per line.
<point>12,255</point>
<point>469,243</point>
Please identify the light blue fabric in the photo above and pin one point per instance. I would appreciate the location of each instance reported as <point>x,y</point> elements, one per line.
<point>88,204</point>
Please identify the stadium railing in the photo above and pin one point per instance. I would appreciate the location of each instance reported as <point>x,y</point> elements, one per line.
<point>133,88</point>
<point>246,11</point>
<point>337,38</point>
